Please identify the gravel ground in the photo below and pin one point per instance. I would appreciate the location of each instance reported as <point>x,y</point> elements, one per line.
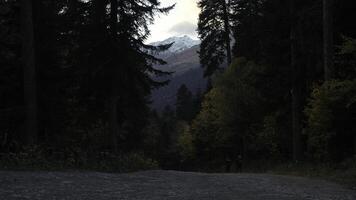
<point>165,185</point>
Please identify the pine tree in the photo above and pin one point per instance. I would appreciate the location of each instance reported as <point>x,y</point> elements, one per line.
<point>30,74</point>
<point>296,89</point>
<point>328,54</point>
<point>246,20</point>
<point>131,63</point>
<point>185,104</point>
<point>214,32</point>
<point>113,98</point>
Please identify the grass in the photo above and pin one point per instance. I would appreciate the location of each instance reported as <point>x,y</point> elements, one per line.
<point>343,173</point>
<point>37,158</point>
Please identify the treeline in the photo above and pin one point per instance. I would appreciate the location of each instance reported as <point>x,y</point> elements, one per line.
<point>288,91</point>
<point>76,78</point>
<point>165,142</point>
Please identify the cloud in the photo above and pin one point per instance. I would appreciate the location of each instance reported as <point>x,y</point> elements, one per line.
<point>183,28</point>
<point>182,20</point>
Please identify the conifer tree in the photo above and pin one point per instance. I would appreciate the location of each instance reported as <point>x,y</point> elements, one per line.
<point>30,80</point>
<point>328,53</point>
<point>296,86</point>
<point>184,105</point>
<point>132,63</point>
<point>214,32</point>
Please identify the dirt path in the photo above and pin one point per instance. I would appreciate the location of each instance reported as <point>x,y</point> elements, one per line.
<point>165,185</point>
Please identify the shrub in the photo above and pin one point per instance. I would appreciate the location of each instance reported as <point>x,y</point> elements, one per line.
<point>124,163</point>
<point>44,158</point>
<point>267,140</point>
<point>186,145</point>
<point>331,117</point>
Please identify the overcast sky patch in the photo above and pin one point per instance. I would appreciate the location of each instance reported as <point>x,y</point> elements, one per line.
<point>182,20</point>
<point>184,28</point>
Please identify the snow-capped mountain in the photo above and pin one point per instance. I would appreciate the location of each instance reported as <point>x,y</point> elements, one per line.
<point>179,43</point>
<point>182,59</point>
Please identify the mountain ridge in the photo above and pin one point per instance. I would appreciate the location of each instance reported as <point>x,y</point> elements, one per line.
<point>180,43</point>
<point>185,65</point>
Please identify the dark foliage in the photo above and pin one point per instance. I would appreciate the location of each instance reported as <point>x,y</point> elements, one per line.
<point>76,76</point>
<point>93,73</point>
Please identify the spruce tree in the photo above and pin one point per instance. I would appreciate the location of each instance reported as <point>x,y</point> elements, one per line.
<point>132,63</point>
<point>296,86</point>
<point>30,74</point>
<point>185,104</point>
<point>214,32</point>
<point>328,53</point>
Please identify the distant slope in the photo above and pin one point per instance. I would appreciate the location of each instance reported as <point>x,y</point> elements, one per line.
<point>182,61</point>
<point>186,67</point>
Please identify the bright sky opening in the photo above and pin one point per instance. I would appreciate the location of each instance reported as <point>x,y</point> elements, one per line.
<point>182,20</point>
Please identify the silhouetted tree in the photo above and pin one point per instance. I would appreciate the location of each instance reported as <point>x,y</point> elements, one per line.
<point>214,32</point>
<point>296,89</point>
<point>184,105</point>
<point>30,72</point>
<point>328,56</point>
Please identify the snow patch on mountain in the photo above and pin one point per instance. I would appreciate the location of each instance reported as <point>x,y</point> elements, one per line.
<point>179,43</point>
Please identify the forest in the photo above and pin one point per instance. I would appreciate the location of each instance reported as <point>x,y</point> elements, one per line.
<point>76,78</point>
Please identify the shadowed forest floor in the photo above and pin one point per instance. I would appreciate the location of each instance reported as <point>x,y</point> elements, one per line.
<point>165,185</point>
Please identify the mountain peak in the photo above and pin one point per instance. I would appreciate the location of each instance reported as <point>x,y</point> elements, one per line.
<point>180,43</point>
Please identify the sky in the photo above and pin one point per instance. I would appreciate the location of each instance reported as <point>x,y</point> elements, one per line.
<point>182,20</point>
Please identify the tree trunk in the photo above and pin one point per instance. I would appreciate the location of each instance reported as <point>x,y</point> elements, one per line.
<point>355,145</point>
<point>29,70</point>
<point>99,30</point>
<point>113,123</point>
<point>113,119</point>
<point>328,39</point>
<point>227,31</point>
<point>296,87</point>
<point>99,14</point>
<point>113,18</point>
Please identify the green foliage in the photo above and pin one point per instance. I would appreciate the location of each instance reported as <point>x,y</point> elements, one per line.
<point>248,110</point>
<point>346,59</point>
<point>125,163</point>
<point>152,136</point>
<point>166,136</point>
<point>77,59</point>
<point>267,140</point>
<point>331,110</point>
<point>342,173</point>
<point>237,121</point>
<point>205,127</point>
<point>228,111</point>
<point>330,113</point>
<point>48,158</point>
<point>186,145</point>
<point>91,60</point>
<point>348,47</point>
<point>85,56</point>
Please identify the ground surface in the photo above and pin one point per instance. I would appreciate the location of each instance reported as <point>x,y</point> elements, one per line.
<point>165,185</point>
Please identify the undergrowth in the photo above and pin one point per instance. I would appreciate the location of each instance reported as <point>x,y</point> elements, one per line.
<point>40,158</point>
